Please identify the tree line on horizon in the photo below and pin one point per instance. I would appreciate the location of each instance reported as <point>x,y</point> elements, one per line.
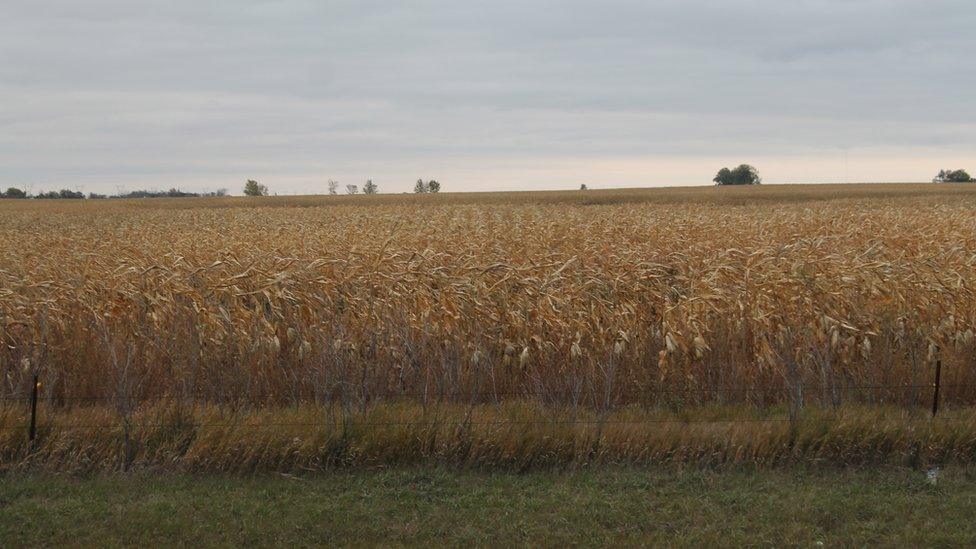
<point>14,192</point>
<point>253,188</point>
<point>744,174</point>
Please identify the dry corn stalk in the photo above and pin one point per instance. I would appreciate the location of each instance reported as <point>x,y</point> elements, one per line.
<point>686,301</point>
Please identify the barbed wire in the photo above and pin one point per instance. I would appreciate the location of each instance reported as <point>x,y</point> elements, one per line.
<point>434,399</point>
<point>333,395</point>
<point>483,423</point>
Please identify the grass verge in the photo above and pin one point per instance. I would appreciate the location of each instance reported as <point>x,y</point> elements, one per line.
<point>600,506</point>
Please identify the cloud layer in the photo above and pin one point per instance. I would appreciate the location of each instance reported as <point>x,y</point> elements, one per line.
<point>494,95</point>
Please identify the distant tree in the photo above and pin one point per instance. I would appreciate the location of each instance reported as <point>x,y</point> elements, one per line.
<point>959,176</point>
<point>370,187</point>
<point>333,187</point>
<point>253,188</point>
<point>172,193</point>
<point>952,176</point>
<point>583,186</point>
<point>63,193</point>
<point>96,196</point>
<point>352,189</point>
<point>211,194</point>
<point>13,192</point>
<point>420,187</point>
<point>67,193</point>
<point>176,193</point>
<point>723,177</point>
<point>433,186</point>
<point>742,175</point>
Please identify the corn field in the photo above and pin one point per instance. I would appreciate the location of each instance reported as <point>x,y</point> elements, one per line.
<point>591,299</point>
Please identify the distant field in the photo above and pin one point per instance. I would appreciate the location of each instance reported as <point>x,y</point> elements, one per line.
<point>775,297</point>
<point>758,194</point>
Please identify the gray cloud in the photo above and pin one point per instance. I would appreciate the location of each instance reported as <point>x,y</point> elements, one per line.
<point>483,95</point>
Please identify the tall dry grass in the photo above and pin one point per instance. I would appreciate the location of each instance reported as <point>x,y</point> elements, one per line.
<point>511,435</point>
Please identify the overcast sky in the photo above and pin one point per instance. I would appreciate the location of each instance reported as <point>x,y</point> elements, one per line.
<point>202,94</point>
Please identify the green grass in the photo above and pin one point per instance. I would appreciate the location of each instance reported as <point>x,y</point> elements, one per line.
<point>889,506</point>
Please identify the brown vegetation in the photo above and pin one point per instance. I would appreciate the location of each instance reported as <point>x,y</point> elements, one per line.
<point>750,299</point>
<point>519,328</point>
<point>512,435</point>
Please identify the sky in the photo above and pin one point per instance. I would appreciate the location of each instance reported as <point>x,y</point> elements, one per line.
<point>110,95</point>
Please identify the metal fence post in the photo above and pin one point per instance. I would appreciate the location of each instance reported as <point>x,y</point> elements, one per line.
<point>33,418</point>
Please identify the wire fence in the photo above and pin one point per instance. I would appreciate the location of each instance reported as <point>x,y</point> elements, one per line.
<point>58,405</point>
<point>330,395</point>
<point>435,423</point>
